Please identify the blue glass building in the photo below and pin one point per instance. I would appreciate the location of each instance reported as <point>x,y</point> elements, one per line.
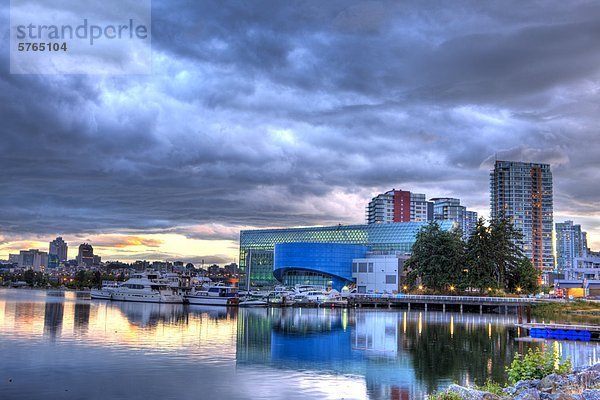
<point>322,264</point>
<point>257,248</point>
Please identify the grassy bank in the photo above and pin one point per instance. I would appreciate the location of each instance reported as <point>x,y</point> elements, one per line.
<point>571,310</point>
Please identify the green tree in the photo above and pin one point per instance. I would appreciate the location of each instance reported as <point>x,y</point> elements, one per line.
<point>97,279</point>
<point>29,277</point>
<point>524,277</point>
<point>80,278</point>
<point>437,258</point>
<point>505,249</point>
<point>480,267</point>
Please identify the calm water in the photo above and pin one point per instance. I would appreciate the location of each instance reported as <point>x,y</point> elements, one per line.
<point>66,348</point>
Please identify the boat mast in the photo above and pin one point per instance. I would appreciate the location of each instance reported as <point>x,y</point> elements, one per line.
<point>248,267</point>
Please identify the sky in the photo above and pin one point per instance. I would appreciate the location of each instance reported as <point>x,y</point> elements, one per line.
<point>296,113</point>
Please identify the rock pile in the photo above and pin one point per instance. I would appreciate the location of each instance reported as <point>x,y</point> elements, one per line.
<point>582,384</point>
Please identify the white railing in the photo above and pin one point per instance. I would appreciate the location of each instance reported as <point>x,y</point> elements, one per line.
<point>454,299</point>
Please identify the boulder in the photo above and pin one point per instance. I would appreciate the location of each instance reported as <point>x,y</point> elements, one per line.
<point>528,394</point>
<point>472,394</point>
<point>591,394</point>
<point>548,384</point>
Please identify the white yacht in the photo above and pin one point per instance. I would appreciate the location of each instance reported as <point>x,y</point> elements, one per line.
<point>213,295</point>
<point>146,287</point>
<point>280,297</point>
<point>105,292</point>
<point>312,296</point>
<point>253,302</point>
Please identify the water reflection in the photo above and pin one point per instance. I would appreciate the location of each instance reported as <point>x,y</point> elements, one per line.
<point>81,317</point>
<point>150,315</point>
<point>399,354</point>
<point>229,352</point>
<point>53,318</point>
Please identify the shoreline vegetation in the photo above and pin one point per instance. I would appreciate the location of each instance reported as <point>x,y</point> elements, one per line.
<point>553,310</point>
<point>534,376</point>
<point>586,311</point>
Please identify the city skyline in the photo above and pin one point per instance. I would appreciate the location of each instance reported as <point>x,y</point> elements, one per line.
<point>273,115</point>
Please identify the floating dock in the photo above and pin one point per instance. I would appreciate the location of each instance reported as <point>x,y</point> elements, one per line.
<point>562,331</point>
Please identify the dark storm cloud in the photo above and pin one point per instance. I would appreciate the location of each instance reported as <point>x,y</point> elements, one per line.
<point>273,114</point>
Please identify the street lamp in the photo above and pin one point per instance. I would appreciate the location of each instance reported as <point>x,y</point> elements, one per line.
<point>519,290</point>
<point>420,287</point>
<point>452,288</point>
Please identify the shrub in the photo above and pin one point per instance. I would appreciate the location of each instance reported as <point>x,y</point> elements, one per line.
<point>536,365</point>
<point>491,387</point>
<point>445,396</point>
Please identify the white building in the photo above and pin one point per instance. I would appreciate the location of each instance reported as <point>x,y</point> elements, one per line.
<point>584,268</point>
<point>379,273</point>
<point>399,206</point>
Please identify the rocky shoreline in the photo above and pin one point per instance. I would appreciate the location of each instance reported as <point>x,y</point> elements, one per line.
<point>583,384</point>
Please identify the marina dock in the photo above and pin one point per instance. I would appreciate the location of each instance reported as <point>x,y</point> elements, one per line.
<point>562,331</point>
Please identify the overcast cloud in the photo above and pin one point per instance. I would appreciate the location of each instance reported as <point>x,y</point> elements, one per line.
<point>272,113</point>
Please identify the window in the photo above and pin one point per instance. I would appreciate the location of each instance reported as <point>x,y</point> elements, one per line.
<point>370,267</point>
<point>362,267</point>
<point>390,279</point>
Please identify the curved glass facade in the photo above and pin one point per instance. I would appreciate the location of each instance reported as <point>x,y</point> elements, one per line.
<point>323,264</point>
<point>257,246</point>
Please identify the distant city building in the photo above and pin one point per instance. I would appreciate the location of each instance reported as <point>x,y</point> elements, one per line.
<point>231,269</point>
<point>214,270</point>
<point>53,261</point>
<point>471,218</point>
<point>571,243</point>
<point>33,259</point>
<point>587,267</point>
<point>14,258</point>
<point>421,210</point>
<point>449,209</point>
<point>523,192</point>
<point>59,248</point>
<point>140,265</point>
<point>399,206</point>
<point>583,279</point>
<point>85,257</point>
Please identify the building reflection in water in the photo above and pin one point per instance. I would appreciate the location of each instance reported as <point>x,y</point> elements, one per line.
<point>381,354</point>
<point>150,315</point>
<point>53,319</point>
<point>399,354</point>
<point>81,317</point>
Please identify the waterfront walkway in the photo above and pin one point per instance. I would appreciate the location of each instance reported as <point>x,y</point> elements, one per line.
<point>443,302</point>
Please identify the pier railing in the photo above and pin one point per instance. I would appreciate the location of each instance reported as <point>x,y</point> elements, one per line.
<point>408,298</point>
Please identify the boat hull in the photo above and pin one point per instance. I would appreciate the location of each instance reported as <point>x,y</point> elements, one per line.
<point>253,303</point>
<point>101,294</point>
<point>147,297</point>
<point>211,301</point>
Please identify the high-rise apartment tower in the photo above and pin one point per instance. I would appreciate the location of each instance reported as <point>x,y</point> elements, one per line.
<point>523,193</point>
<point>59,248</point>
<point>399,206</point>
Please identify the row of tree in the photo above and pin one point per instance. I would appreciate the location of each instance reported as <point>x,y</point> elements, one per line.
<point>491,258</point>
